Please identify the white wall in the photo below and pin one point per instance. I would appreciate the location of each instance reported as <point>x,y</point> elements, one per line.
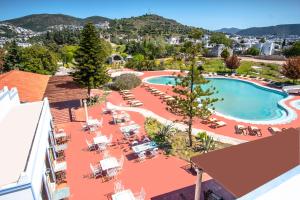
<point>8,99</point>
<point>36,166</point>
<point>20,195</point>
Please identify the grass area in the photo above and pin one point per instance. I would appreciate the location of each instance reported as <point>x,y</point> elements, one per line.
<point>175,142</point>
<point>268,71</point>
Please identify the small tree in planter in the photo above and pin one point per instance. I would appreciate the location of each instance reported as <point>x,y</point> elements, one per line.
<point>232,62</point>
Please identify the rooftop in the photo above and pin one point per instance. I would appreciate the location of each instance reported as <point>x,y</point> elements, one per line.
<point>63,88</point>
<point>17,132</point>
<point>250,165</point>
<point>31,86</point>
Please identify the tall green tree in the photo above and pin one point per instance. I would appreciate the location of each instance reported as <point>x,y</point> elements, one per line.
<point>67,53</point>
<point>38,59</point>
<point>220,38</point>
<point>90,58</point>
<point>293,50</point>
<point>225,54</point>
<point>253,51</point>
<point>191,99</point>
<point>12,59</point>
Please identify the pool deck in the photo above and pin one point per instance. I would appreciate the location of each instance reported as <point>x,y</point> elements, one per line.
<point>155,105</point>
<point>163,177</point>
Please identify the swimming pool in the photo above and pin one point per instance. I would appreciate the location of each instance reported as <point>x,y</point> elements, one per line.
<point>244,101</point>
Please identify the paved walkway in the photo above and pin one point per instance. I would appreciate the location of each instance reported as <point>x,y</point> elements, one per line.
<point>179,126</point>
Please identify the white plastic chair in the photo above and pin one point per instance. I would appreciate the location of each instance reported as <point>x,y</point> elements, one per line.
<point>91,146</point>
<point>118,187</point>
<point>135,142</point>
<point>146,139</point>
<point>106,154</point>
<point>154,152</point>
<point>141,156</point>
<point>111,173</point>
<point>98,133</point>
<point>141,195</point>
<point>101,147</point>
<point>95,170</point>
<point>109,141</point>
<point>121,162</point>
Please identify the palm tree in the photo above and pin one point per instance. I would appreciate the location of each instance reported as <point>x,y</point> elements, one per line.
<point>207,142</point>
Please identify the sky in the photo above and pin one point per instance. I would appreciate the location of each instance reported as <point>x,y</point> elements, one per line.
<point>208,14</point>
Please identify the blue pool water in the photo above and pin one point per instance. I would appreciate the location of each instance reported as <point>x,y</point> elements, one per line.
<point>242,100</point>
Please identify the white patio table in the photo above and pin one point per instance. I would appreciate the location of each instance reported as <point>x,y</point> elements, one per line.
<point>102,139</point>
<point>109,163</point>
<point>129,128</point>
<point>144,147</point>
<point>60,135</point>
<point>93,122</point>
<point>123,195</point>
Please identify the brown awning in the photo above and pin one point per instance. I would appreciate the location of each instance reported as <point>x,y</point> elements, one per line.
<point>245,167</point>
<point>63,88</point>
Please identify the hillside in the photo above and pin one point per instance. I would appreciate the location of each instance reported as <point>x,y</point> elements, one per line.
<point>40,22</point>
<point>149,24</point>
<point>142,25</point>
<point>280,30</point>
<point>229,30</point>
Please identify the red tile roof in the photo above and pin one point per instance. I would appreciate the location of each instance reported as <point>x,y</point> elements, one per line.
<point>63,88</point>
<point>31,86</point>
<point>245,167</point>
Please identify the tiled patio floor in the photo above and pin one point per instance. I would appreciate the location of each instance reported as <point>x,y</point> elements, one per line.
<point>162,177</point>
<point>157,176</point>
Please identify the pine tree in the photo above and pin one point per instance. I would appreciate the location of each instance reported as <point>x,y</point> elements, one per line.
<point>90,57</point>
<point>191,100</point>
<point>12,59</point>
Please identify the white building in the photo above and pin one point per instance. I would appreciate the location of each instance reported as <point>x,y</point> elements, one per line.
<point>174,40</point>
<point>265,49</point>
<point>28,154</point>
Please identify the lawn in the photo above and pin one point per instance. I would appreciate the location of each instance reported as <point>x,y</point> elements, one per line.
<point>175,142</point>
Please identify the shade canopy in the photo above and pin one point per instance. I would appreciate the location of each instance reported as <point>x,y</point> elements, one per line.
<point>242,168</point>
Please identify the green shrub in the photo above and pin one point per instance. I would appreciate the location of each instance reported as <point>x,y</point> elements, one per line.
<point>126,82</point>
<point>93,100</point>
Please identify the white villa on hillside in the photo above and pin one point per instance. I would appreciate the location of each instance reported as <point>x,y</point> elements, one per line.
<point>174,40</point>
<point>28,150</point>
<point>266,49</point>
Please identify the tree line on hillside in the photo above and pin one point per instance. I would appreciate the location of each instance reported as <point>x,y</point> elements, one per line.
<point>43,57</point>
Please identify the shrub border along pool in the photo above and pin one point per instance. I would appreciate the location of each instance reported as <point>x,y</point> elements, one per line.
<point>290,116</point>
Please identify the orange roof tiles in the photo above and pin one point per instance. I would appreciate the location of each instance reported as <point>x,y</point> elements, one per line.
<point>31,86</point>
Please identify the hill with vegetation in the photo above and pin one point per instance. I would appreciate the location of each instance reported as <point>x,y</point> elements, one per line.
<point>149,24</point>
<point>141,25</point>
<point>41,22</point>
<point>229,30</point>
<point>280,30</point>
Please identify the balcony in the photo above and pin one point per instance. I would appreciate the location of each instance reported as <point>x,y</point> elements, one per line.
<point>62,191</point>
<point>60,147</point>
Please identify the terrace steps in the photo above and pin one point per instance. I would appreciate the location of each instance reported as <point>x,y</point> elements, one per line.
<point>61,116</point>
